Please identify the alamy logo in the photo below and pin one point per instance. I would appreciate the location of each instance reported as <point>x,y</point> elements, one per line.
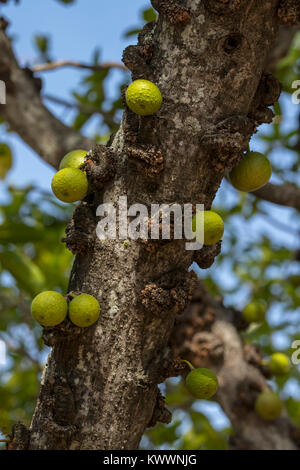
<point>296,94</point>
<point>163,222</point>
<point>296,354</point>
<point>2,352</point>
<point>2,92</point>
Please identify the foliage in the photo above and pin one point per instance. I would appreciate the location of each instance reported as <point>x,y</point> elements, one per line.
<point>42,44</point>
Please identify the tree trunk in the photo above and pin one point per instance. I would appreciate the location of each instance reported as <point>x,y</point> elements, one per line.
<point>99,388</point>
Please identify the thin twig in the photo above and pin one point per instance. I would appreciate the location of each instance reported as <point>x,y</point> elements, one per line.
<point>70,63</point>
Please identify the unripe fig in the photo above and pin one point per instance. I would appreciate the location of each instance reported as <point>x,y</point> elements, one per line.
<point>143,97</point>
<point>49,308</point>
<point>69,185</point>
<point>268,405</point>
<point>253,172</point>
<point>255,312</point>
<point>279,364</point>
<point>202,383</point>
<point>84,310</point>
<point>210,224</point>
<point>74,159</point>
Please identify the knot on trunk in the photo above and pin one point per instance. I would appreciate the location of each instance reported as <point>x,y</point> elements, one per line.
<point>19,438</point>
<point>80,232</point>
<point>289,12</point>
<point>170,293</point>
<point>143,53</point>
<point>100,166</point>
<point>137,59</point>
<point>226,140</point>
<point>268,92</point>
<point>176,13</point>
<point>64,331</point>
<point>160,412</point>
<point>148,157</point>
<point>262,115</point>
<point>206,256</point>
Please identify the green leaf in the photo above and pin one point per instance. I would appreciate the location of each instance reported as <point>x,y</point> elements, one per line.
<point>293,408</point>
<point>132,32</point>
<point>149,15</point>
<point>27,274</point>
<point>42,43</point>
<point>20,233</point>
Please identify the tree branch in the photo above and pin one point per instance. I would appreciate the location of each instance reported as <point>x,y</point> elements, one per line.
<point>283,195</point>
<point>207,336</point>
<point>71,63</point>
<point>26,114</point>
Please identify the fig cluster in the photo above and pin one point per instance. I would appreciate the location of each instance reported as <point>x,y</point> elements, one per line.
<point>70,183</point>
<point>50,308</point>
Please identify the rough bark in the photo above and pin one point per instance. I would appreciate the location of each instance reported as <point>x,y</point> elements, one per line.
<point>99,388</point>
<point>207,335</point>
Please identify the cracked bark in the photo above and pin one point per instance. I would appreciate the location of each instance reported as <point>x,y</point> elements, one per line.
<point>109,373</point>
